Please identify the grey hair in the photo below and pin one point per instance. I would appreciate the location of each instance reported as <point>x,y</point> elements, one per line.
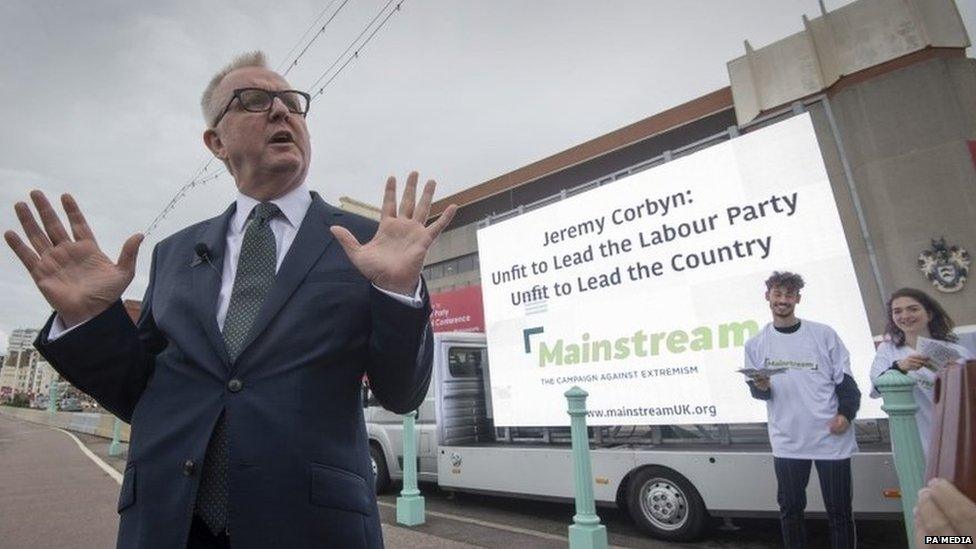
<point>211,104</point>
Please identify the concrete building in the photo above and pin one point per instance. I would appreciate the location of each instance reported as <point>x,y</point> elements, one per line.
<point>18,370</point>
<point>893,101</point>
<point>24,369</point>
<point>17,373</point>
<point>8,379</point>
<point>359,208</point>
<point>44,375</point>
<point>22,339</point>
<point>10,374</point>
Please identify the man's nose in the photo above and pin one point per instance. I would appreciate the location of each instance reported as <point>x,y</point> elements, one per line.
<point>278,109</point>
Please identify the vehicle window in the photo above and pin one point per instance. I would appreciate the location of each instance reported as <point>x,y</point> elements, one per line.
<point>466,361</point>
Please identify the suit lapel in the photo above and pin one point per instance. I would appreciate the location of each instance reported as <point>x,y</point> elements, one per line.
<point>206,280</point>
<point>311,241</point>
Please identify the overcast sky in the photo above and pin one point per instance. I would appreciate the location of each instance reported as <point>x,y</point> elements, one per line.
<point>101,99</point>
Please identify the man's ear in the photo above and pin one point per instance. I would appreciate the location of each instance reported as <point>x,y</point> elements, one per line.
<point>767,295</point>
<point>214,143</point>
<point>798,296</point>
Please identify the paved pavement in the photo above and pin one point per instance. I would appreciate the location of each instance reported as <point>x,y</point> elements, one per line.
<point>551,519</point>
<point>54,496</point>
<point>51,494</point>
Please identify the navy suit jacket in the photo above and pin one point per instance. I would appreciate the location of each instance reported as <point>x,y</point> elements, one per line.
<point>299,465</point>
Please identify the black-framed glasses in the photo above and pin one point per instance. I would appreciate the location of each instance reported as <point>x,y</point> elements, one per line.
<point>260,100</point>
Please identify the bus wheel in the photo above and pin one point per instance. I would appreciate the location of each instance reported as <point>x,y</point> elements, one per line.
<point>665,505</point>
<point>381,475</point>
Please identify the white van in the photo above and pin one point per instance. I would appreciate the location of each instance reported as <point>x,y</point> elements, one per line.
<point>671,479</point>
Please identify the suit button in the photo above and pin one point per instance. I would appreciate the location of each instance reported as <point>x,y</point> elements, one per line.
<point>189,467</point>
<point>235,385</point>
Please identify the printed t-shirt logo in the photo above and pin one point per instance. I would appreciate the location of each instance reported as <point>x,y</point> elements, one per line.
<point>790,364</point>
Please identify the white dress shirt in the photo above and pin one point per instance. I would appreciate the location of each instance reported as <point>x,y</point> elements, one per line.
<point>293,205</point>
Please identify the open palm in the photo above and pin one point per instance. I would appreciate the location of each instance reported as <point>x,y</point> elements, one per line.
<point>394,257</point>
<point>73,274</point>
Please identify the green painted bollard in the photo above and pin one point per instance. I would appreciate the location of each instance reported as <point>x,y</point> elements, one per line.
<point>115,448</point>
<point>899,403</point>
<point>586,532</point>
<point>52,398</point>
<point>410,504</point>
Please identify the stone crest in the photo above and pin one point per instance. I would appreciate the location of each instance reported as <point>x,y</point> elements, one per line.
<point>946,266</point>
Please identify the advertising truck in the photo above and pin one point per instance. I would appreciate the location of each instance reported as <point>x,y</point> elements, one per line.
<point>643,293</point>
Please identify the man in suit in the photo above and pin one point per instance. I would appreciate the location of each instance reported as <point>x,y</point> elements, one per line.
<point>241,378</point>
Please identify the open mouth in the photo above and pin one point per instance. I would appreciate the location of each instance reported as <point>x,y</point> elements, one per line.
<point>281,137</point>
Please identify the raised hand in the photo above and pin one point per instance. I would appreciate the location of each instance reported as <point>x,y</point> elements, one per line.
<point>73,275</point>
<point>392,260</point>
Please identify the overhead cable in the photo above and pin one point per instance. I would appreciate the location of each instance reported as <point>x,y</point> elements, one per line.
<point>201,176</point>
<point>321,31</point>
<point>351,45</point>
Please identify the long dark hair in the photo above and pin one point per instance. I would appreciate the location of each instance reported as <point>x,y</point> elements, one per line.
<point>940,326</point>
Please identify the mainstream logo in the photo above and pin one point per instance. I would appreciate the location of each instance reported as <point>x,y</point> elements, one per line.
<point>774,364</point>
<point>640,344</point>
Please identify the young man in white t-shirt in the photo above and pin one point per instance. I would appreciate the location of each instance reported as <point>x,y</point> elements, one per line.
<point>810,408</point>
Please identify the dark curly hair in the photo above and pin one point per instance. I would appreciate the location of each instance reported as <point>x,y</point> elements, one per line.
<point>940,327</point>
<point>785,279</point>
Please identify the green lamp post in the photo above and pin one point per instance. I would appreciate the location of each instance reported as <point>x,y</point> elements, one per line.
<point>115,448</point>
<point>52,397</point>
<point>899,403</point>
<point>586,532</point>
<point>410,504</point>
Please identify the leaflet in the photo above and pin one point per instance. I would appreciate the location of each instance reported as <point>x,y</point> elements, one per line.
<point>760,373</point>
<point>939,353</point>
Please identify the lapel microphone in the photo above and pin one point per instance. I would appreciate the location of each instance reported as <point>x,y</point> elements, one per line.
<point>202,253</point>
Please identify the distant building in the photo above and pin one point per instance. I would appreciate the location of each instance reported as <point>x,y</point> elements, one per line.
<point>359,208</point>
<point>44,375</point>
<point>9,374</point>
<point>21,339</point>
<point>889,90</point>
<point>19,366</point>
<point>24,370</point>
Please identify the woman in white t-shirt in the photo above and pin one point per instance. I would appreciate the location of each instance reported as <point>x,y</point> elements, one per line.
<point>913,314</point>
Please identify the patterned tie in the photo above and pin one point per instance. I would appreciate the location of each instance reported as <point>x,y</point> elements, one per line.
<point>255,276</point>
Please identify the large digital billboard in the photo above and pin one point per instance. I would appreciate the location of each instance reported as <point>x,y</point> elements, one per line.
<point>643,292</point>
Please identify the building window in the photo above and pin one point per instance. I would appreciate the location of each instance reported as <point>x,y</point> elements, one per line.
<point>452,267</point>
<point>435,271</point>
<point>466,362</point>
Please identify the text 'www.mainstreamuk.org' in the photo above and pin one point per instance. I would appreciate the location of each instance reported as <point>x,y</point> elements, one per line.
<point>675,410</point>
